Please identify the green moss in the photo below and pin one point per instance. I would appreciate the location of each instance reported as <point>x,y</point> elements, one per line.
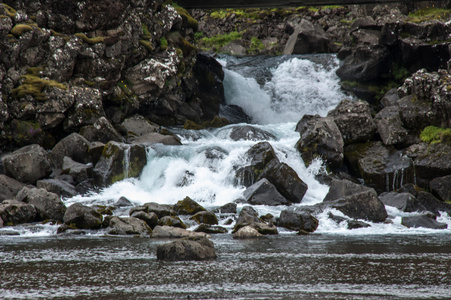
<point>432,134</point>
<point>11,12</point>
<point>146,33</point>
<point>186,17</point>
<point>256,45</point>
<point>20,29</point>
<point>220,40</point>
<point>430,13</point>
<point>163,43</point>
<point>147,44</point>
<point>90,41</point>
<point>400,73</point>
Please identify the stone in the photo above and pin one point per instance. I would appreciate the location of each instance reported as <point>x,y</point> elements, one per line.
<point>249,217</point>
<point>403,201</point>
<point>187,249</point>
<point>138,125</point>
<point>320,137</point>
<point>48,205</point>
<point>9,187</point>
<point>432,204</point>
<point>14,212</point>
<point>130,225</point>
<point>161,210</point>
<point>155,138</point>
<point>101,131</point>
<point>171,221</point>
<point>87,109</point>
<point>210,229</point>
<point>188,206</point>
<point>435,162</point>
<point>264,193</point>
<point>60,187</point>
<point>74,146</point>
<point>250,133</point>
<point>308,38</point>
<point>416,113</point>
<point>175,233</point>
<point>390,127</point>
<point>351,224</point>
<point>79,172</point>
<point>27,164</point>
<point>441,188</point>
<point>150,218</point>
<point>247,232</point>
<point>205,217</point>
<point>297,219</point>
<point>123,202</point>
<point>229,208</point>
<point>82,217</point>
<point>424,221</point>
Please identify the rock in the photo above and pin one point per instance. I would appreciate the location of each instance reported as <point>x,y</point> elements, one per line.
<point>175,233</point>
<point>150,218</point>
<point>351,224</point>
<point>187,249</point>
<point>382,167</point>
<point>229,208</point>
<point>82,217</point>
<point>297,219</point>
<point>441,188</point>
<point>403,201</point>
<point>119,161</point>
<point>435,162</point>
<point>390,98</point>
<point>87,109</point>
<point>60,187</point>
<point>354,121</point>
<point>79,172</point>
<point>130,225</point>
<point>171,221</point>
<point>155,138</point>
<point>74,146</point>
<point>205,217</point>
<point>320,137</point>
<point>432,204</point>
<point>138,125</point>
<point>246,232</point>
<point>48,205</point>
<point>188,206</point>
<point>123,202</point>
<point>249,217</point>
<point>209,229</point>
<point>264,193</point>
<point>340,188</point>
<point>9,187</point>
<point>308,38</point>
<point>424,221</point>
<point>416,113</point>
<point>250,133</point>
<point>389,126</point>
<point>27,164</point>
<point>234,48</point>
<point>14,212</point>
<point>101,131</point>
<point>161,210</point>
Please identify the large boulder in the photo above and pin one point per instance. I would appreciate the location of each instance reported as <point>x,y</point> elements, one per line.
<point>247,232</point>
<point>119,161</point>
<point>264,192</point>
<point>298,219</point>
<point>14,212</point>
<point>187,249</point>
<point>249,217</point>
<point>320,137</point>
<point>434,162</point>
<point>163,232</point>
<point>354,121</point>
<point>417,113</point>
<point>101,131</point>
<point>424,221</point>
<point>250,133</point>
<point>188,206</point>
<point>151,218</point>
<point>161,210</point>
<point>9,187</point>
<point>138,125</point>
<point>205,217</point>
<point>403,201</point>
<point>57,186</point>
<point>79,172</point>
<point>27,164</point>
<point>441,188</point>
<point>48,205</point>
<point>82,217</point>
<point>390,127</point>
<point>432,204</point>
<point>130,225</point>
<point>74,146</point>
<point>171,221</point>
<point>308,38</point>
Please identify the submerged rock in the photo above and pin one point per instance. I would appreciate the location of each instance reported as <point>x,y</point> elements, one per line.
<point>187,249</point>
<point>425,221</point>
<point>250,133</point>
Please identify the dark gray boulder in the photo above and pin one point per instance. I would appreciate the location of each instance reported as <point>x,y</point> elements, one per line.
<point>27,164</point>
<point>432,204</point>
<point>210,229</point>
<point>9,187</point>
<point>187,206</point>
<point>205,217</point>
<point>354,121</point>
<point>432,163</point>
<point>82,217</point>
<point>308,38</point>
<point>129,225</point>
<point>171,221</point>
<point>169,232</point>
<point>340,188</point>
<point>250,133</point>
<point>48,205</point>
<point>155,138</point>
<point>138,125</point>
<point>79,172</point>
<point>74,146</point>
<point>161,210</point>
<point>298,219</point>
<point>150,218</point>
<point>320,137</point>
<point>264,192</point>
<point>417,113</point>
<point>403,201</point>
<point>249,217</point>
<point>123,202</point>
<point>351,224</point>
<point>101,131</point>
<point>390,127</point>
<point>229,208</point>
<point>424,221</point>
<point>13,212</point>
<point>187,249</point>
<point>60,187</point>
<point>441,188</point>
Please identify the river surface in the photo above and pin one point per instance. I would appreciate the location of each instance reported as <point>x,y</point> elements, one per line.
<point>384,261</point>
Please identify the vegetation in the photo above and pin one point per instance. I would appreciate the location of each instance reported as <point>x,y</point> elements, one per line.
<point>11,12</point>
<point>20,29</point>
<point>146,33</point>
<point>147,44</point>
<point>430,13</point>
<point>90,41</point>
<point>220,40</point>
<point>163,43</point>
<point>187,18</point>
<point>432,134</point>
<point>256,45</point>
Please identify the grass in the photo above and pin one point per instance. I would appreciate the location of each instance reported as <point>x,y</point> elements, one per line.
<point>90,41</point>
<point>220,40</point>
<point>256,45</point>
<point>433,134</point>
<point>430,13</point>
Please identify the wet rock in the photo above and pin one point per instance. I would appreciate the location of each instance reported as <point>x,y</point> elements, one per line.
<point>123,202</point>
<point>119,161</point>
<point>87,109</point>
<point>138,125</point>
<point>340,188</point>
<point>229,208</point>
<point>171,221</point>
<point>155,138</point>
<point>308,38</point>
<point>351,224</point>
<point>161,210</point>
<point>188,206</point>
<point>187,249</point>
<point>390,127</point>
<point>101,131</point>
<point>403,201</point>
<point>9,187</point>
<point>441,188</point>
<point>60,187</point>
<point>320,137</point>
<point>432,204</point>
<point>264,193</point>
<point>435,162</point>
<point>48,205</point>
<point>74,146</point>
<point>390,98</point>
<point>130,225</point>
<point>209,229</point>
<point>27,164</point>
<point>205,217</point>
<point>416,113</point>
<point>150,218</point>
<point>175,233</point>
<point>424,221</point>
<point>247,232</point>
<point>250,133</point>
<point>79,172</point>
<point>82,217</point>
<point>14,212</point>
<point>297,219</point>
<point>249,217</point>
<point>354,121</point>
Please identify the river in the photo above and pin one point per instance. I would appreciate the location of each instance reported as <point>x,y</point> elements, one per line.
<point>383,261</point>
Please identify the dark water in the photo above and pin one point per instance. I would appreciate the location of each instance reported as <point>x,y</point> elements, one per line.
<point>279,267</point>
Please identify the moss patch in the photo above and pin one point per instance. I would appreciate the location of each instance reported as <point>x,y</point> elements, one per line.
<point>90,41</point>
<point>11,12</point>
<point>186,17</point>
<point>256,45</point>
<point>432,134</point>
<point>220,40</point>
<point>147,44</point>
<point>20,29</point>
<point>163,43</point>
<point>430,13</point>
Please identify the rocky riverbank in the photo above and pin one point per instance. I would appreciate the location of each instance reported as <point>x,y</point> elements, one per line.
<point>84,93</point>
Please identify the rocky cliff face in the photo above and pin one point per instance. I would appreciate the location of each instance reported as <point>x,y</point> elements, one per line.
<point>65,64</point>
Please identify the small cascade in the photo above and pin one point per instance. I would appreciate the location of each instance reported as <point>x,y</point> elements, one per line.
<point>126,162</point>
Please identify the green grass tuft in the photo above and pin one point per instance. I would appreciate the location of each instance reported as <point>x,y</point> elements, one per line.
<point>432,134</point>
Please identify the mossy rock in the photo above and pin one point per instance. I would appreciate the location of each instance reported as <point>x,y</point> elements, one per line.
<point>205,217</point>
<point>188,206</point>
<point>216,122</point>
<point>20,29</point>
<point>187,18</point>
<point>171,221</point>
<point>21,133</point>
